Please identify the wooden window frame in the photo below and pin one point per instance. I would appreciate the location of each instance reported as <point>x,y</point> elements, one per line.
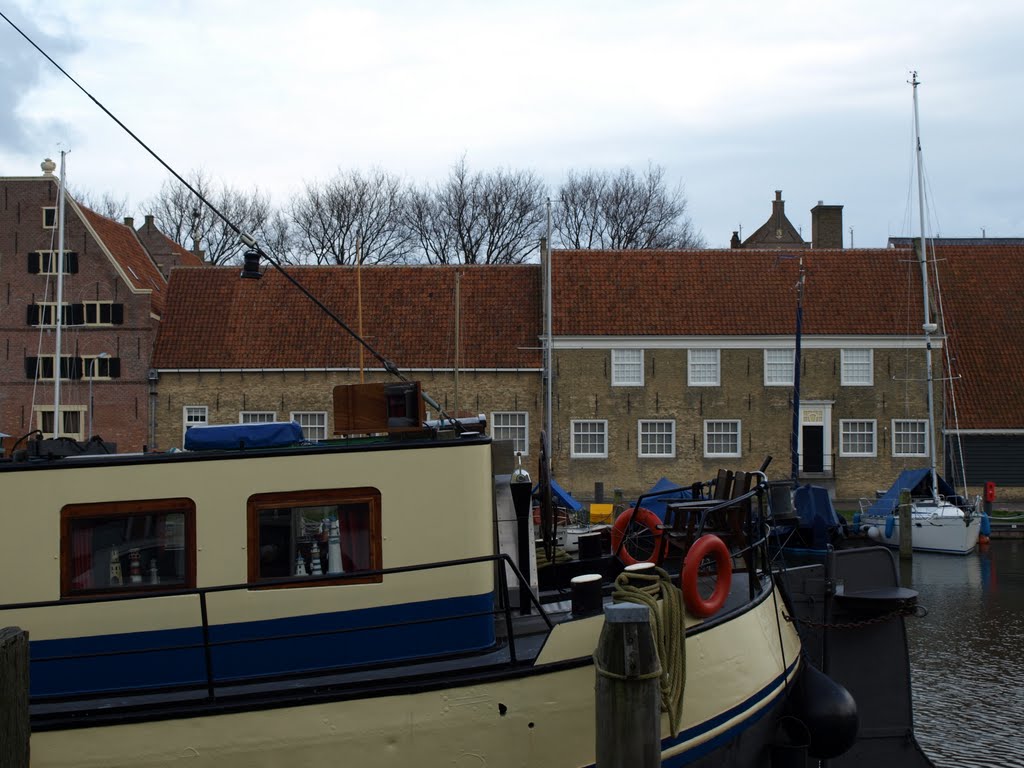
<point>325,497</point>
<point>134,508</point>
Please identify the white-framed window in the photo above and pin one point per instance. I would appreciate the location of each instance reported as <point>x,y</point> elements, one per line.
<point>909,437</point>
<point>721,439</point>
<point>45,370</point>
<point>72,421</point>
<point>514,426</point>
<point>590,439</point>
<point>98,312</point>
<point>858,369</point>
<point>47,262</point>
<point>857,437</point>
<point>656,438</point>
<point>46,314</point>
<point>778,367</point>
<point>49,217</point>
<point>313,423</point>
<point>256,417</point>
<point>192,415</point>
<point>703,367</point>
<point>627,367</point>
<point>96,367</point>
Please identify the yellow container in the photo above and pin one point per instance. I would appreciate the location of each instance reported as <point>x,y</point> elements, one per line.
<point>601,513</point>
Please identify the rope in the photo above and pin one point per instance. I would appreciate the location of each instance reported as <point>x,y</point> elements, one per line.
<point>668,629</point>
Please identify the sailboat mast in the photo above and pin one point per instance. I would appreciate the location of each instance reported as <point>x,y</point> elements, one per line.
<point>794,442</point>
<point>929,326</point>
<point>59,311</point>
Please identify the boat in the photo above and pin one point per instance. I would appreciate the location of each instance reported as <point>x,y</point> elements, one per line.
<point>941,520</point>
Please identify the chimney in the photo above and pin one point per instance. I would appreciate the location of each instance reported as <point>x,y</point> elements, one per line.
<point>778,206</point>
<point>735,242</point>
<point>129,222</point>
<point>149,221</point>
<point>826,226</point>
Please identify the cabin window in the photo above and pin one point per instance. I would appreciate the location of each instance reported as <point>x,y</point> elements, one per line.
<point>909,437</point>
<point>703,367</point>
<point>257,417</point>
<point>590,439</point>
<point>71,422</point>
<point>514,426</point>
<point>778,367</point>
<point>857,367</point>
<point>313,423</point>
<point>656,439</point>
<point>146,545</point>
<point>627,367</point>
<point>193,415</point>
<point>721,439</point>
<point>329,535</point>
<point>857,437</point>
<point>49,217</point>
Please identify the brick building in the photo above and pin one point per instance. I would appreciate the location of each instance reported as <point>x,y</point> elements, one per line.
<point>778,231</point>
<point>112,299</point>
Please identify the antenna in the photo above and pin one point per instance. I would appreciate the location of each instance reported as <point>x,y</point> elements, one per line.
<point>851,237</point>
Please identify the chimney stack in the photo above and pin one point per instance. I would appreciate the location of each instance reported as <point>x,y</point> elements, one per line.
<point>826,226</point>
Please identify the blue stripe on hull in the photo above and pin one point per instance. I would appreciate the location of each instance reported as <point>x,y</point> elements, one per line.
<point>141,660</point>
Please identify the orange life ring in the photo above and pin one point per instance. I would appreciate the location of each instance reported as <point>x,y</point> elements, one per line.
<point>627,527</point>
<point>707,545</point>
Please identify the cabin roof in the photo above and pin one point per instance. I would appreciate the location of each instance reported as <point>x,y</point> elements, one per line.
<point>217,320</point>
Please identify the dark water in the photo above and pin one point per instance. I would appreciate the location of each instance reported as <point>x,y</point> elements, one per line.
<point>967,656</point>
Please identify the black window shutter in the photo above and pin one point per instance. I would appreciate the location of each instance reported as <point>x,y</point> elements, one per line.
<point>33,314</point>
<point>115,367</point>
<point>77,314</point>
<point>117,314</point>
<point>71,263</point>
<point>33,263</point>
<point>73,367</point>
<point>30,367</point>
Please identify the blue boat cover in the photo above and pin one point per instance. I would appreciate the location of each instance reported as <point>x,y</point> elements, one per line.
<point>917,481</point>
<point>561,497</point>
<point>657,504</point>
<point>231,437</point>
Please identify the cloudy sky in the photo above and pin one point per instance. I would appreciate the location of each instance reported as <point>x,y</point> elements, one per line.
<point>734,99</point>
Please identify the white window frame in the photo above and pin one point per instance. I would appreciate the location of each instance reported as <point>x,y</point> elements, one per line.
<point>50,208</point>
<point>641,434</point>
<point>96,306</point>
<point>40,410</point>
<point>848,366</point>
<point>723,454</point>
<point>193,410</point>
<point>302,417</point>
<point>257,417</point>
<point>848,424</point>
<point>922,424</point>
<point>627,367</point>
<point>580,424</point>
<point>96,365</point>
<point>48,309</point>
<point>53,367</point>
<point>519,433</point>
<point>692,367</point>
<point>48,260</point>
<point>773,369</point>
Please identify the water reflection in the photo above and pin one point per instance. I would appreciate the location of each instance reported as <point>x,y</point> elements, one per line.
<point>965,656</point>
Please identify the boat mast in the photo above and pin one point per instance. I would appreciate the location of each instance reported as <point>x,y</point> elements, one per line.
<point>929,326</point>
<point>59,311</point>
<point>547,343</point>
<point>795,437</point>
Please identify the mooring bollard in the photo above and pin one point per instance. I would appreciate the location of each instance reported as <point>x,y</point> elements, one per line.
<point>628,690</point>
<point>906,526</point>
<point>14,728</point>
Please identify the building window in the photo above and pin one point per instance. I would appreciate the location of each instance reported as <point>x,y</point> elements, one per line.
<point>313,423</point>
<point>44,314</point>
<point>627,367</point>
<point>778,367</point>
<point>514,426</point>
<point>589,439</point>
<point>858,367</point>
<point>193,415</point>
<point>49,217</point>
<point>721,439</point>
<point>41,367</point>
<point>656,439</point>
<point>72,421</point>
<point>45,262</point>
<point>96,367</point>
<point>315,535</point>
<point>256,417</point>
<point>128,545</point>
<point>857,437</point>
<point>909,437</point>
<point>103,313</point>
<point>703,367</point>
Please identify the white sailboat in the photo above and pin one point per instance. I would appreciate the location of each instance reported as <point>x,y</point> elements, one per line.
<point>942,521</point>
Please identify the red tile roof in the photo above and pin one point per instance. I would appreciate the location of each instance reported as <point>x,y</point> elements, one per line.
<point>125,247</point>
<point>215,319</point>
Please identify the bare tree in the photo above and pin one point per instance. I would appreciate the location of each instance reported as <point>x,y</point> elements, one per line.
<point>105,204</point>
<point>493,218</point>
<point>183,217</point>
<point>624,210</point>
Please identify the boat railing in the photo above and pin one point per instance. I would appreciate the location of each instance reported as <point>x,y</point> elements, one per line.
<point>501,611</point>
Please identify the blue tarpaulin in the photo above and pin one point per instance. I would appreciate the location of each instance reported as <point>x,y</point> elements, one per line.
<point>561,497</point>
<point>917,481</point>
<point>230,437</point>
<point>657,504</point>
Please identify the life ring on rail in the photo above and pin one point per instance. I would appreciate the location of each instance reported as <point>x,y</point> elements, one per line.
<point>636,536</point>
<point>707,545</point>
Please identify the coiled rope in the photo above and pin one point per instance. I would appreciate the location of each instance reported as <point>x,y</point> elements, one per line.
<point>667,628</point>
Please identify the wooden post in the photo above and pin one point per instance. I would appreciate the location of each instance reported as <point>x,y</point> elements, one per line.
<point>14,728</point>
<point>906,526</point>
<point>628,690</point>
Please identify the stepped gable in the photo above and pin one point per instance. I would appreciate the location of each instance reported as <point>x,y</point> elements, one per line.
<point>217,320</point>
<point>733,292</point>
